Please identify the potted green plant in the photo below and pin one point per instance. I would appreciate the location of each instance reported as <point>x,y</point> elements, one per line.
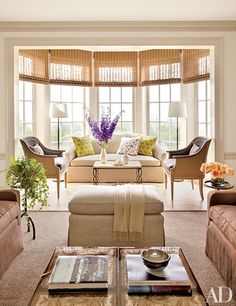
<point>29,176</point>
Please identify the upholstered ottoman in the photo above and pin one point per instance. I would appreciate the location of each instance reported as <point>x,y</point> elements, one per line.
<point>92,216</point>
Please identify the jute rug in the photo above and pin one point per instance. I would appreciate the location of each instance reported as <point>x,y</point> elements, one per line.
<point>184,229</point>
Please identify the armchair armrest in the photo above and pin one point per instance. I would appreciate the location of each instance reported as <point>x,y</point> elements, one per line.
<point>47,151</point>
<point>70,154</point>
<point>159,153</point>
<point>221,197</point>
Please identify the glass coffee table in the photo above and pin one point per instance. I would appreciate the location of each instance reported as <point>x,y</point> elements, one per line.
<point>109,166</point>
<point>117,294</point>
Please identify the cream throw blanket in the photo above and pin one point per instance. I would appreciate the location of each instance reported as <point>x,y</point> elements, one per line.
<point>129,206</point>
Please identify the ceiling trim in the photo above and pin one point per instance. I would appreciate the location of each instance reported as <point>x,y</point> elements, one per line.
<point>114,26</point>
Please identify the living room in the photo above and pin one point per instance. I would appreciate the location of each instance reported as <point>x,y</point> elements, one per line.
<point>143,109</point>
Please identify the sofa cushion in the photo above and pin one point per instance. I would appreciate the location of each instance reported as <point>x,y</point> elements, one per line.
<point>129,146</point>
<point>83,146</point>
<point>224,217</point>
<point>88,161</point>
<point>9,210</point>
<point>147,145</point>
<point>99,200</point>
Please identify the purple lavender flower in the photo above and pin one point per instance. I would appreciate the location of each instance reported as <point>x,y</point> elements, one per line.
<point>103,132</point>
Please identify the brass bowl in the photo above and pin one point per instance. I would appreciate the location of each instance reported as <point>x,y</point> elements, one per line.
<point>155,258</point>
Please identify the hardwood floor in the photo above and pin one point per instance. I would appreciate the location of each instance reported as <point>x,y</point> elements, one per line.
<point>185,199</point>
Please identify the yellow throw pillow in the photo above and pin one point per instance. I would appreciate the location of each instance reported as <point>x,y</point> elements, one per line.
<point>83,146</point>
<point>147,145</point>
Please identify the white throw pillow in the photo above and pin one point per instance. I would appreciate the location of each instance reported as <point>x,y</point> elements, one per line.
<point>194,149</point>
<point>37,149</point>
<point>129,145</point>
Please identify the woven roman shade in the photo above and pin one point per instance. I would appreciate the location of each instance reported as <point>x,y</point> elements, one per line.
<point>71,67</point>
<point>195,65</point>
<point>159,66</point>
<point>115,68</point>
<point>33,65</point>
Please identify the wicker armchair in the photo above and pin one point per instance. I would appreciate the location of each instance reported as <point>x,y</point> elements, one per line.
<point>55,165</point>
<point>185,163</point>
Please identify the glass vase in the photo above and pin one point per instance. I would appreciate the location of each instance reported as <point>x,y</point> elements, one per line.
<point>103,155</point>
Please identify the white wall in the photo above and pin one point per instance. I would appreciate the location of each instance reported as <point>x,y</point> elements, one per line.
<point>223,41</point>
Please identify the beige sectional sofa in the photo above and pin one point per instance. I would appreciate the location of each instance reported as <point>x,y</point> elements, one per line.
<point>80,169</point>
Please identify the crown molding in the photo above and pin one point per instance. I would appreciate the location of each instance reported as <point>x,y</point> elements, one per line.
<point>115,26</point>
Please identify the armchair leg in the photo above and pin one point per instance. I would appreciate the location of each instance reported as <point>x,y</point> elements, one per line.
<point>58,187</point>
<point>172,188</point>
<point>201,188</point>
<point>192,184</point>
<point>165,181</point>
<point>65,180</point>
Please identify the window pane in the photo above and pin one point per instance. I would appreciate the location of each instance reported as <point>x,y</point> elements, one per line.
<point>28,130</point>
<point>78,94</point>
<point>28,112</point>
<point>115,94</point>
<point>28,91</point>
<point>202,111</point>
<point>104,94</point>
<point>202,90</point>
<point>127,94</point>
<point>127,112</point>
<point>127,127</point>
<point>21,110</point>
<point>115,110</point>
<point>154,129</point>
<point>66,93</point>
<point>202,130</point>
<point>55,93</point>
<point>164,109</point>
<point>76,129</point>
<point>54,132</point>
<point>21,90</point>
<point>77,112</point>
<point>103,108</point>
<point>165,132</point>
<point>153,93</point>
<point>175,92</point>
<point>208,90</point>
<point>66,131</point>
<point>165,93</point>
<point>154,112</point>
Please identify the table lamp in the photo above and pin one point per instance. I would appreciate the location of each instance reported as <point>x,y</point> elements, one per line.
<point>58,111</point>
<point>177,110</point>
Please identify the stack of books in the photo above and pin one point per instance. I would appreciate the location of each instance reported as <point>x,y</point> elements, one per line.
<point>79,273</point>
<point>172,280</point>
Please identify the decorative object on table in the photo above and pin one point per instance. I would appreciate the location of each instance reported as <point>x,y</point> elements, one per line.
<point>103,131</point>
<point>28,175</point>
<point>171,279</point>
<point>78,273</point>
<point>125,157</point>
<point>58,111</point>
<point>177,110</point>
<point>118,163</point>
<point>217,172</point>
<point>129,145</point>
<point>155,258</point>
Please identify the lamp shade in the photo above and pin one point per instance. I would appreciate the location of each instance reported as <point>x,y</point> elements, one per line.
<point>58,110</point>
<point>177,109</point>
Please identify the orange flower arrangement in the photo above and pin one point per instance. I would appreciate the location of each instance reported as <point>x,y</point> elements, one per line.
<point>217,171</point>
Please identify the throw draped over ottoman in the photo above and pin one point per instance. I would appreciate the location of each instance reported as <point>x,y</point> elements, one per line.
<point>91,222</point>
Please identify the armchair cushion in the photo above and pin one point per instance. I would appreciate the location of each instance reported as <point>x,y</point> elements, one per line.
<point>83,146</point>
<point>37,149</point>
<point>61,162</point>
<point>194,149</point>
<point>147,145</point>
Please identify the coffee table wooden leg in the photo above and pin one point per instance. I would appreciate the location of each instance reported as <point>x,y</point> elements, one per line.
<point>95,177</point>
<point>139,176</point>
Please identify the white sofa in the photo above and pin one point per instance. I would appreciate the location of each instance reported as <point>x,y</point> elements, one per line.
<point>80,169</point>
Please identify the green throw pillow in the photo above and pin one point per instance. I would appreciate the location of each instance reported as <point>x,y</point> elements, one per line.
<point>147,145</point>
<point>83,146</point>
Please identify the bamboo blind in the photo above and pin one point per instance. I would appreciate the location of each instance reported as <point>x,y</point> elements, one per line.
<point>115,68</point>
<point>33,66</point>
<point>195,65</point>
<point>71,67</point>
<point>159,66</point>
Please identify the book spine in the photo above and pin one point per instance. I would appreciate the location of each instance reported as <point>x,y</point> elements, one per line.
<point>159,283</point>
<point>170,290</point>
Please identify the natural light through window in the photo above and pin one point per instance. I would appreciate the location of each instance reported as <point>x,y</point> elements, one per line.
<point>25,109</point>
<point>204,111</point>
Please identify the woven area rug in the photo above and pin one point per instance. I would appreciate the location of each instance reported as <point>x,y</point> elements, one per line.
<point>184,229</point>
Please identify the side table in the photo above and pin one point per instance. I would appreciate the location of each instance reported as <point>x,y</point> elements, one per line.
<point>223,186</point>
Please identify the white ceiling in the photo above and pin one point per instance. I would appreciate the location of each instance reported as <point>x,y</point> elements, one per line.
<point>119,10</point>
